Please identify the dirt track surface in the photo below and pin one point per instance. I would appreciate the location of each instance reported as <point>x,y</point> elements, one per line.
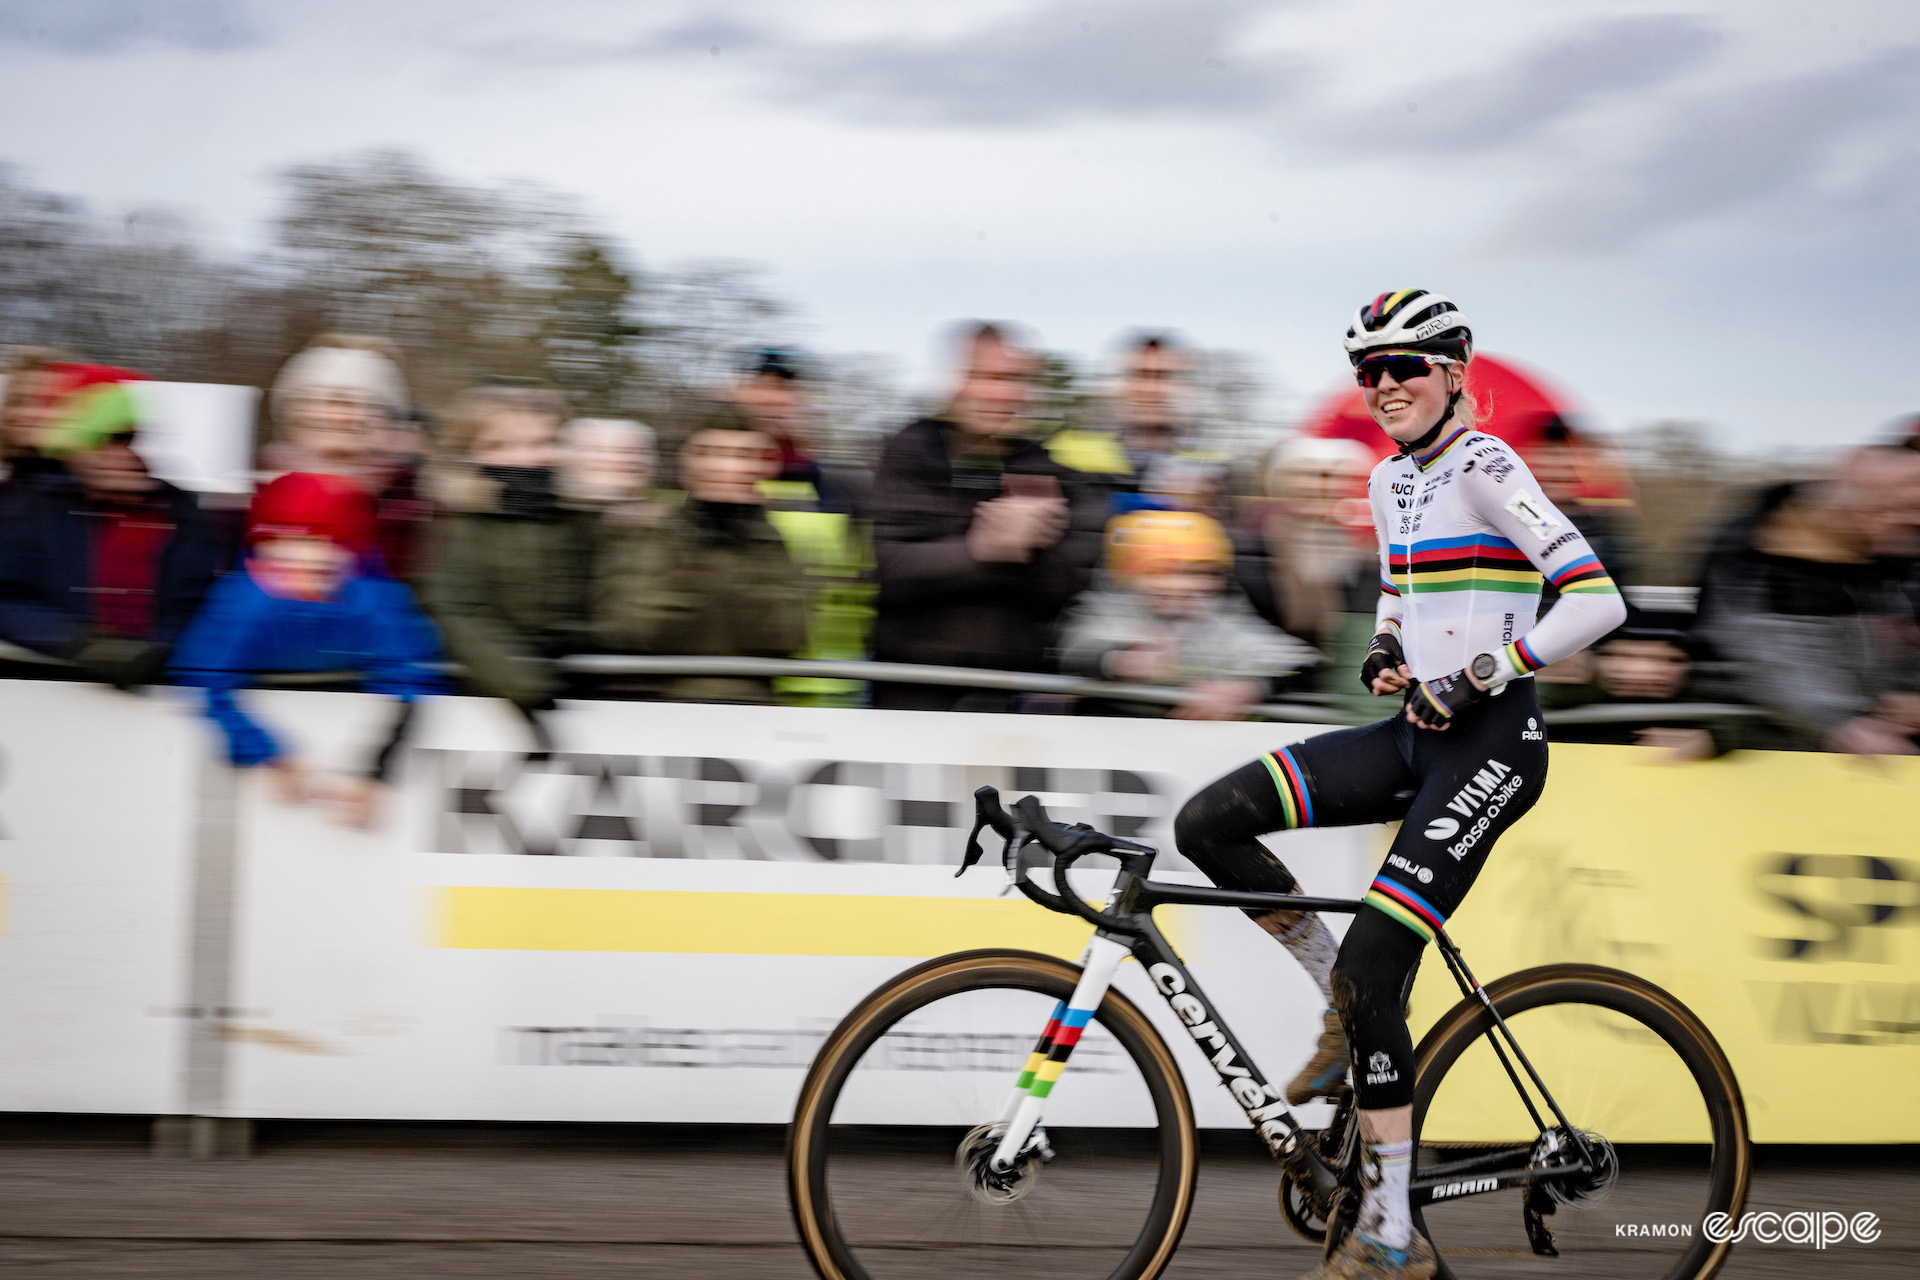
<point>84,1198</point>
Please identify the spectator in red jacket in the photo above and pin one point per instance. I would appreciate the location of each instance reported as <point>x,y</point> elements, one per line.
<point>101,563</point>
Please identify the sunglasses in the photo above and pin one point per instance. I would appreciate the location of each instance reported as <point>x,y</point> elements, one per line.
<point>1401,366</point>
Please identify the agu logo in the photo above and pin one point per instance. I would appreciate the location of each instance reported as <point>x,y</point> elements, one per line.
<point>1442,828</point>
<point>1532,732</point>
<point>1380,1069</point>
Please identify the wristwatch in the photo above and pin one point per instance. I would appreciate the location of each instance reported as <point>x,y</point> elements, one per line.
<point>1483,668</point>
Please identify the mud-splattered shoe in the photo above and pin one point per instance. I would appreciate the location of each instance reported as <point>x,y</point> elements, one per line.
<point>1361,1257</point>
<point>1325,1075</point>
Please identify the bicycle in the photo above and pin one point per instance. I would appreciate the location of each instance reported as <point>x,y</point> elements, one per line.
<point>910,1155</point>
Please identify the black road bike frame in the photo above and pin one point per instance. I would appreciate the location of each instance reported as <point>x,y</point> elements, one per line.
<point>1034,843</point>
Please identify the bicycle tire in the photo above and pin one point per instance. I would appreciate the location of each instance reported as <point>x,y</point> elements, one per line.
<point>808,1148</point>
<point>1655,1009</point>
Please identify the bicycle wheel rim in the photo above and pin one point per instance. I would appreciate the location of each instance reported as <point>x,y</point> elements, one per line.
<point>880,1199</point>
<point>1624,1060</point>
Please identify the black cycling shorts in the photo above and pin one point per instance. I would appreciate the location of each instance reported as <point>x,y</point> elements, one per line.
<point>1454,791</point>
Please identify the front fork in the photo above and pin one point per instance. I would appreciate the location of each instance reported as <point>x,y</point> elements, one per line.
<point>1021,1114</point>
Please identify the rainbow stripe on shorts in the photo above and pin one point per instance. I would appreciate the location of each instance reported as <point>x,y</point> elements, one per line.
<point>1406,906</point>
<point>1290,780</point>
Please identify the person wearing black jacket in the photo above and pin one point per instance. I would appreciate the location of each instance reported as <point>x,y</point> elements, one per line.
<point>1805,600</point>
<point>981,537</point>
<point>103,564</point>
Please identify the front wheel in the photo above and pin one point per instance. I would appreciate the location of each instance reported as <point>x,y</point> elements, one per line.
<point>887,1156</point>
<point>1656,1107</point>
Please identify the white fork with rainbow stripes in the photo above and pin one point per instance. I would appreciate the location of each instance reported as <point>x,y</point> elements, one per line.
<point>1022,1113</point>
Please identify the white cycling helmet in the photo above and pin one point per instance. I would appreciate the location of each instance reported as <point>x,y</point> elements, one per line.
<point>1410,320</point>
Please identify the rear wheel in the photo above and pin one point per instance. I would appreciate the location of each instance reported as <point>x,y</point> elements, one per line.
<point>1652,1095</point>
<point>887,1161</point>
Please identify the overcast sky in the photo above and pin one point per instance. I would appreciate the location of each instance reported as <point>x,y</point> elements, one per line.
<point>1696,211</point>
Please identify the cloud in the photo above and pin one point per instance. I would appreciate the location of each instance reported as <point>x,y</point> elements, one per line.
<point>1122,58</point>
<point>1778,138</point>
<point>90,27</point>
<point>1063,58</point>
<point>1545,83</point>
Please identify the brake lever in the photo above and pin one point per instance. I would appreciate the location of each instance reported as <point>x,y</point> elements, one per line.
<point>986,813</point>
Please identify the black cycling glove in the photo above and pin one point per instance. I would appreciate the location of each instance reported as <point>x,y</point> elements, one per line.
<point>1385,655</point>
<point>1436,702</point>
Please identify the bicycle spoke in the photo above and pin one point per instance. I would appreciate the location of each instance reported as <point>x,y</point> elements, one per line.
<point>906,1207</point>
<point>1652,1128</point>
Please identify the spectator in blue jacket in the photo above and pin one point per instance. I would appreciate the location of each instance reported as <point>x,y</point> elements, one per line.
<point>302,602</point>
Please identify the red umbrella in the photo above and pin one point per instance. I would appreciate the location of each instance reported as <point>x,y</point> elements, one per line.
<point>1516,404</point>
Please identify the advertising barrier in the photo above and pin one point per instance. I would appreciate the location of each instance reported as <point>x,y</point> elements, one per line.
<point>1777,894</point>
<point>97,812</point>
<point>662,919</point>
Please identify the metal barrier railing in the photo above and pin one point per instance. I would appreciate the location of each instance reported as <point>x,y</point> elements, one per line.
<point>1301,708</point>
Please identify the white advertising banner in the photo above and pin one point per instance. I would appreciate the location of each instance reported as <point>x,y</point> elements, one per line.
<point>97,813</point>
<point>199,435</point>
<point>661,921</point>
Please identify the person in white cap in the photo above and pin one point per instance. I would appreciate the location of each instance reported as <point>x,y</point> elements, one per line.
<point>332,403</point>
<point>336,407</point>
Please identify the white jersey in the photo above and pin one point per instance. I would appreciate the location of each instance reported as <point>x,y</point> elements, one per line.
<point>1466,539</point>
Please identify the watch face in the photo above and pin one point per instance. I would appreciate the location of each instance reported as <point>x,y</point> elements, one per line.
<point>1483,667</point>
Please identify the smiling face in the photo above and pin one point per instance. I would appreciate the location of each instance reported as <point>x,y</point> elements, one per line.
<point>1407,410</point>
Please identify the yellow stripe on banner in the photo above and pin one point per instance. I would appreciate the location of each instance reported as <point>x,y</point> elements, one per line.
<point>472,917</point>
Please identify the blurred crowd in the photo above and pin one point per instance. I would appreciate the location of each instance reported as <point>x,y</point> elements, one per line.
<point>479,545</point>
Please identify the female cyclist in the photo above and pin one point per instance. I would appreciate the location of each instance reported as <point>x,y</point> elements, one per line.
<point>1466,538</point>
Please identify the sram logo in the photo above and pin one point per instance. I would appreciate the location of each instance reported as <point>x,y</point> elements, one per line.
<point>1250,1093</point>
<point>1465,1187</point>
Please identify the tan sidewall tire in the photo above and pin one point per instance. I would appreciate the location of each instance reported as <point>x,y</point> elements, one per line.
<point>1560,983</point>
<point>813,1216</point>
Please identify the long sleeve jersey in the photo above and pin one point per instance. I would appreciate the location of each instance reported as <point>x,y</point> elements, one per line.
<point>1466,538</point>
